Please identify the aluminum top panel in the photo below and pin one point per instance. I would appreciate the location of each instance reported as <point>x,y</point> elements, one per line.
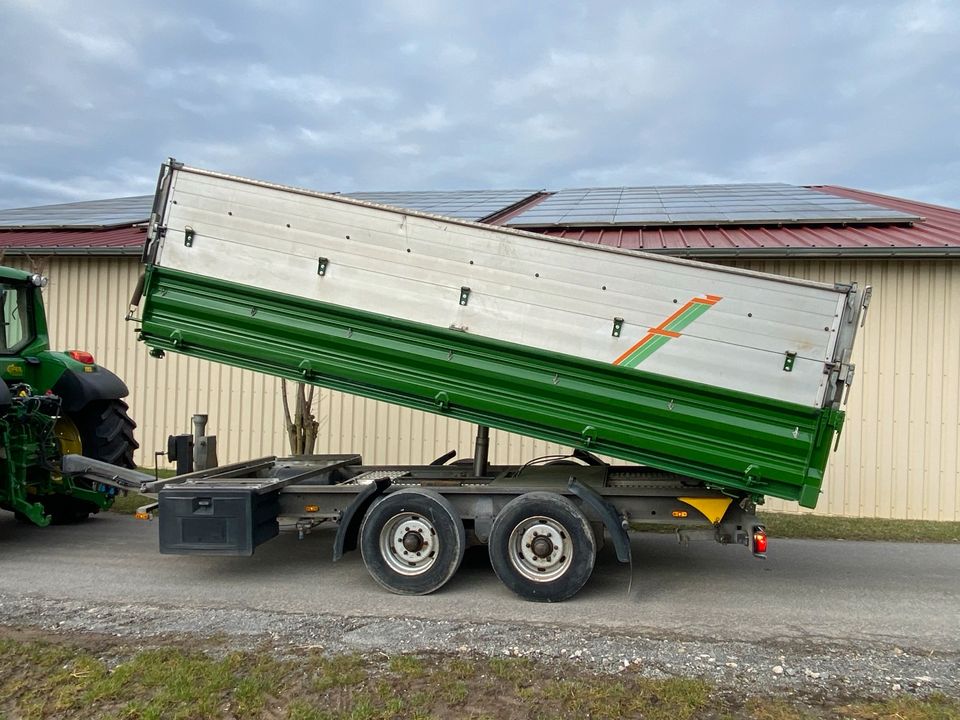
<point>90,214</point>
<point>747,204</point>
<point>461,204</point>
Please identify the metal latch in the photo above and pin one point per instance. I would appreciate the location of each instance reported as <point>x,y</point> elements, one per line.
<point>865,303</point>
<point>188,235</point>
<point>617,326</point>
<point>152,227</point>
<point>789,359</point>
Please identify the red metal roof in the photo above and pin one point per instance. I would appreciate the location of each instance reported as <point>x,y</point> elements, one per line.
<point>113,241</point>
<point>938,234</point>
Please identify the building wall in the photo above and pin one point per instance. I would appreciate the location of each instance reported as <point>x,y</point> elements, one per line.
<point>898,454</point>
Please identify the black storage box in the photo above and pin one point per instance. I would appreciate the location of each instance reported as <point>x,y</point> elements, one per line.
<point>211,521</point>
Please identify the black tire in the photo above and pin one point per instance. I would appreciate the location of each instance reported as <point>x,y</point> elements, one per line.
<point>562,561</point>
<point>412,541</point>
<point>106,433</point>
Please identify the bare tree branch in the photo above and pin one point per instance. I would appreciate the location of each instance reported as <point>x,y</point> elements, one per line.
<point>302,426</point>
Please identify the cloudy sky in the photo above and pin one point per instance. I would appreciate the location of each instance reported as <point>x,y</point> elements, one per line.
<point>439,94</point>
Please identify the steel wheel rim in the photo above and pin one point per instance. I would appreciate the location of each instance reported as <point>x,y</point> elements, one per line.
<point>527,545</point>
<point>409,544</point>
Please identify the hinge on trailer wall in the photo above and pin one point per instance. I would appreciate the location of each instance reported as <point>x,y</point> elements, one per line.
<point>865,303</point>
<point>188,235</point>
<point>617,326</point>
<point>847,382</point>
<point>464,295</point>
<point>322,266</point>
<point>153,228</point>
<point>790,357</point>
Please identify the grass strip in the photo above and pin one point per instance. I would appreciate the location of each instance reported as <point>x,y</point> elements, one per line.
<point>99,678</point>
<point>820,527</point>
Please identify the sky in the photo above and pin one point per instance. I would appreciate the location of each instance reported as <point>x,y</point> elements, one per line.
<point>439,94</point>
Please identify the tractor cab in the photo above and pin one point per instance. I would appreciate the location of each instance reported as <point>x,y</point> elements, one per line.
<point>21,308</point>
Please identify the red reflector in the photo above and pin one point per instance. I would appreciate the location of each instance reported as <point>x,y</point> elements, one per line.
<point>81,356</point>
<point>759,541</point>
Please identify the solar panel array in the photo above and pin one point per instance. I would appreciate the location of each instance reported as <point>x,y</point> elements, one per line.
<point>744,204</point>
<point>462,204</point>
<point>683,205</point>
<point>93,213</point>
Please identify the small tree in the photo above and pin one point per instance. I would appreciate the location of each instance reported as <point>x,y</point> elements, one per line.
<point>302,425</point>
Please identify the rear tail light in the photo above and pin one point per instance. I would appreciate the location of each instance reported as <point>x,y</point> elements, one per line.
<point>81,356</point>
<point>759,541</point>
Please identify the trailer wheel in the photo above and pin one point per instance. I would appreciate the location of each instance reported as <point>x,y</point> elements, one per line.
<point>412,541</point>
<point>542,547</point>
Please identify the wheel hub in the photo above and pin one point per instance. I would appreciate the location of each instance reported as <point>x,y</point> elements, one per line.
<point>409,543</point>
<point>412,541</point>
<point>541,549</point>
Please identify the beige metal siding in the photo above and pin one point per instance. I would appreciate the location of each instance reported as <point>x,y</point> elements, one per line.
<point>898,453</point>
<point>897,458</point>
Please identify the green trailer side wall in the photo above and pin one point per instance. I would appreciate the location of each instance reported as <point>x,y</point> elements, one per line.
<point>728,439</point>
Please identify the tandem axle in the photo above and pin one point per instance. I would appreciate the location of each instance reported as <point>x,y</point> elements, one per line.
<point>542,523</point>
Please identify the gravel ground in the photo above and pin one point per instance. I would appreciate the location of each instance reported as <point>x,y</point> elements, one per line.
<point>810,668</point>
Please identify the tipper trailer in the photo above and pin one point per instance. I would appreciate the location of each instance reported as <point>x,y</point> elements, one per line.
<point>718,385</point>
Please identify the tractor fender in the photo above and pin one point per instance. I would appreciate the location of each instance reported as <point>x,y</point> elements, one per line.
<point>78,389</point>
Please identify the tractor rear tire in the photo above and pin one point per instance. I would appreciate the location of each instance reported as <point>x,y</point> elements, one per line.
<point>106,433</point>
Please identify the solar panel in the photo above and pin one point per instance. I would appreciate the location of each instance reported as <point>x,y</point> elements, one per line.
<point>462,204</point>
<point>748,204</point>
<point>94,213</point>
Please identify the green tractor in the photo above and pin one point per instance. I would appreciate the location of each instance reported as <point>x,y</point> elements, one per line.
<point>52,404</point>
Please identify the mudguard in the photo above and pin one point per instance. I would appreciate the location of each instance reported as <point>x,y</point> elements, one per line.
<point>607,513</point>
<point>78,389</point>
<point>349,529</point>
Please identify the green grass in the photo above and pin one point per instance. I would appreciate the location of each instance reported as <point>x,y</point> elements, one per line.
<point>97,678</point>
<point>904,707</point>
<point>838,528</point>
<point>128,504</point>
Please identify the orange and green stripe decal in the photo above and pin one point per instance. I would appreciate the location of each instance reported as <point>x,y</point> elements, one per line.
<point>670,328</point>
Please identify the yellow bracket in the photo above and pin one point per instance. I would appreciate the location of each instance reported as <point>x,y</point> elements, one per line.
<point>713,509</point>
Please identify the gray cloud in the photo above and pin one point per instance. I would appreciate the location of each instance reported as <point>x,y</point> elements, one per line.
<point>399,95</point>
